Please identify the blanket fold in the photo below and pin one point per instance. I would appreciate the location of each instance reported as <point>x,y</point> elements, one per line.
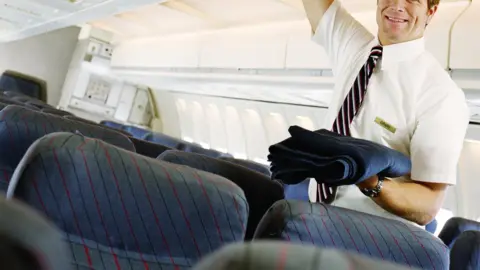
<point>333,159</point>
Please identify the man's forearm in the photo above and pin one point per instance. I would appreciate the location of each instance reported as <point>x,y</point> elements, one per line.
<point>413,201</point>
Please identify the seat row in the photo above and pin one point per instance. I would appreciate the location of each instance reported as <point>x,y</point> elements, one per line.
<point>119,208</point>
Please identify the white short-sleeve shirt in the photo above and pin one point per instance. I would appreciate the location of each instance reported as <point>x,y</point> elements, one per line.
<point>424,113</point>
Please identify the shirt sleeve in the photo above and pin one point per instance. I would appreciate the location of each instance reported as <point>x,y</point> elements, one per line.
<point>341,36</point>
<point>437,141</point>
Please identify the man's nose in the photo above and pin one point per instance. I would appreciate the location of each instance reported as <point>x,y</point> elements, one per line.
<point>397,5</point>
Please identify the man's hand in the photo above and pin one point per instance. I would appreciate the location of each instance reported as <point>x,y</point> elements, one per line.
<point>416,201</point>
<point>315,10</point>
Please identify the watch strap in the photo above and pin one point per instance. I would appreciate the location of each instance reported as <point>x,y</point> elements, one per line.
<point>373,192</point>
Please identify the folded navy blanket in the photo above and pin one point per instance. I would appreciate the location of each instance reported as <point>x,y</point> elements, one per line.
<point>333,159</point>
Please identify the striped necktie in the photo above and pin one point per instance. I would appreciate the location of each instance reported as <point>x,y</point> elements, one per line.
<point>348,111</point>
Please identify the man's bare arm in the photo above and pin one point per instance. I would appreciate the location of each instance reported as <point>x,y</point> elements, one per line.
<point>315,10</point>
<point>418,202</point>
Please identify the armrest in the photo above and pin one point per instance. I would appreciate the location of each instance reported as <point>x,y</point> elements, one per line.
<point>465,252</point>
<point>455,227</point>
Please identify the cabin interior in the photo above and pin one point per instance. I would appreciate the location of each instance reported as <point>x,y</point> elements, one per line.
<point>215,77</point>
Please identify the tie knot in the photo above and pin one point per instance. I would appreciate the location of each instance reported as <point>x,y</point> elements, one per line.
<point>376,52</point>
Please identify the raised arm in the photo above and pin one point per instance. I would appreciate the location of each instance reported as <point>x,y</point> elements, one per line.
<point>315,10</point>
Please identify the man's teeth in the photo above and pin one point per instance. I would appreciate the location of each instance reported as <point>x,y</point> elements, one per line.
<point>395,20</point>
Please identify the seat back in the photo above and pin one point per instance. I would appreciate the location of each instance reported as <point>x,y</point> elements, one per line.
<point>122,208</point>
<point>28,240</point>
<point>20,127</point>
<point>271,255</point>
<point>454,227</point>
<point>163,139</point>
<point>465,253</point>
<point>260,191</point>
<point>193,148</point>
<point>329,226</point>
<point>135,131</point>
<point>55,111</point>
<point>148,149</point>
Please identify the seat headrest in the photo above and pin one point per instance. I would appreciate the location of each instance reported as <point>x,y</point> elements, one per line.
<point>20,127</point>
<point>148,149</point>
<point>194,148</point>
<point>287,256</point>
<point>134,206</point>
<point>261,192</point>
<point>28,240</point>
<point>163,139</point>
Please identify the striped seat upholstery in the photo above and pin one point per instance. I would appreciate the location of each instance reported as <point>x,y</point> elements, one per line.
<point>121,210</point>
<point>20,127</point>
<point>335,227</point>
<point>271,255</point>
<point>261,192</point>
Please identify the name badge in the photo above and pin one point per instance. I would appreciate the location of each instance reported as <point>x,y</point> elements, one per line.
<point>385,125</point>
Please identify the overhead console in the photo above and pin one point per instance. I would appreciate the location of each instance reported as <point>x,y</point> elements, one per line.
<point>23,18</point>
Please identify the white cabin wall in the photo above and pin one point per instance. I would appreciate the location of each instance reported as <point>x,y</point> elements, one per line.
<point>46,56</point>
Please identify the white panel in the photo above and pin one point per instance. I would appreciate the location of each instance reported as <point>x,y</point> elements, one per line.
<point>200,123</point>
<point>181,51</point>
<point>302,52</point>
<point>255,135</point>
<point>276,125</point>
<point>185,118</point>
<point>245,48</point>
<point>437,35</point>
<point>82,83</point>
<point>216,127</point>
<point>468,186</point>
<point>300,116</point>
<point>235,132</point>
<point>465,39</point>
<point>125,105</point>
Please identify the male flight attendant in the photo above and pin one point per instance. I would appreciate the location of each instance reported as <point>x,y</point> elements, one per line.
<point>390,90</point>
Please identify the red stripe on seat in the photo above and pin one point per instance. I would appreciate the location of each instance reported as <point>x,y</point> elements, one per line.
<point>199,179</point>
<point>123,204</point>
<point>115,258</point>
<point>182,209</point>
<point>157,221</point>
<point>62,176</point>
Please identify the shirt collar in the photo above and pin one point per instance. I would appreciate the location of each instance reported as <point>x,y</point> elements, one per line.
<point>395,53</point>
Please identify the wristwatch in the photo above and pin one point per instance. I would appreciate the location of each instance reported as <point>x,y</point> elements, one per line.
<point>373,192</point>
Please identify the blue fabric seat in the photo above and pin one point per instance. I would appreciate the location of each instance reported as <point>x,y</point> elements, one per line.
<point>20,127</point>
<point>120,208</point>
<point>194,148</point>
<point>136,132</point>
<point>273,255</point>
<point>465,253</point>
<point>148,149</point>
<point>28,240</point>
<point>328,226</point>
<point>163,139</point>
<point>55,111</point>
<point>112,124</point>
<point>261,192</point>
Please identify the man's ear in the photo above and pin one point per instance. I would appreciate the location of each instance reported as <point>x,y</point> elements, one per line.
<point>431,12</point>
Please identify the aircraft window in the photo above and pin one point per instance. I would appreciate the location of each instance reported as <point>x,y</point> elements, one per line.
<point>442,217</point>
<point>200,123</point>
<point>256,142</point>
<point>184,117</point>
<point>216,128</point>
<point>305,122</point>
<point>277,129</point>
<point>235,134</point>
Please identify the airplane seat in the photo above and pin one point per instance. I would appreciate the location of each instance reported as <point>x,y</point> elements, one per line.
<point>9,101</point>
<point>329,226</point>
<point>135,131</point>
<point>111,124</point>
<point>20,127</point>
<point>454,227</point>
<point>163,139</point>
<point>148,149</point>
<point>273,255</point>
<point>195,148</point>
<point>263,169</point>
<point>117,207</point>
<point>261,192</point>
<point>55,111</point>
<point>86,121</point>
<point>465,253</point>
<point>28,240</point>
